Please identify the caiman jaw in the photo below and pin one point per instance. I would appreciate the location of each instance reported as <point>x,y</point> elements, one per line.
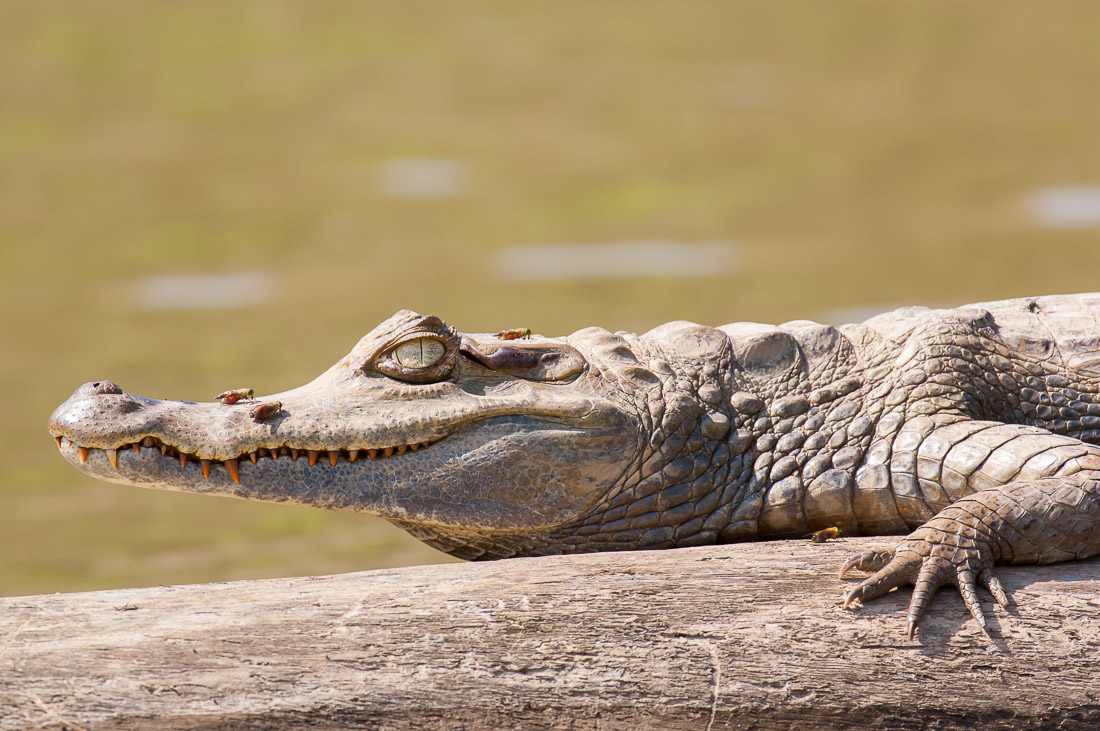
<point>232,465</point>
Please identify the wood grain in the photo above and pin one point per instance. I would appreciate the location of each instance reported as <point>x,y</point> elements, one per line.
<point>742,636</point>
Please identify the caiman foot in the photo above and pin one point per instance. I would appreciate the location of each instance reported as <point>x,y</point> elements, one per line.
<point>928,559</point>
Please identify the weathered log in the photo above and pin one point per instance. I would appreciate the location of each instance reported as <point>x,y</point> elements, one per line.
<point>750,635</point>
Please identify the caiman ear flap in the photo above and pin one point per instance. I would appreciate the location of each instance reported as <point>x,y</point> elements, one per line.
<point>531,361</point>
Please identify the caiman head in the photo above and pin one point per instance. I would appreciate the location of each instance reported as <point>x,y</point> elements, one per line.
<point>468,441</point>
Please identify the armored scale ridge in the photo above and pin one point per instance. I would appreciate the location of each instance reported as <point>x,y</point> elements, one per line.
<point>975,430</point>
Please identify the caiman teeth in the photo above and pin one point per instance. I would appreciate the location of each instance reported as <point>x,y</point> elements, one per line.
<point>232,466</point>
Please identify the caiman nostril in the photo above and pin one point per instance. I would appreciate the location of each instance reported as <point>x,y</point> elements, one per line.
<point>98,388</point>
<point>104,387</point>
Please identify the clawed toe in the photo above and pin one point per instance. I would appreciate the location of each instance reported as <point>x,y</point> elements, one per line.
<point>868,561</point>
<point>894,574</point>
<point>993,585</point>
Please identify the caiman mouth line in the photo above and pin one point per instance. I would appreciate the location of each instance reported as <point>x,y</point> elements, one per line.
<point>168,451</point>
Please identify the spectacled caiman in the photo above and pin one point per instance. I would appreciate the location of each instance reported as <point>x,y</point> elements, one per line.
<point>975,428</point>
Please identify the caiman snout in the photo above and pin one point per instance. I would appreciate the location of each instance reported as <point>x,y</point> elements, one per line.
<point>93,413</point>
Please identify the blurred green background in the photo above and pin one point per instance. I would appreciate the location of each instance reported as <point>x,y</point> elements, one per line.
<point>371,156</point>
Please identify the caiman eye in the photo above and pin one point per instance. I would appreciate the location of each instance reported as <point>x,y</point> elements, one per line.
<point>422,358</point>
<point>419,353</point>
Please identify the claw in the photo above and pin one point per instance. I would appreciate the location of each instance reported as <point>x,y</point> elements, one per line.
<point>849,563</point>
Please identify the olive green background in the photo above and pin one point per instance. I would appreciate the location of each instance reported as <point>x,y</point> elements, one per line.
<point>860,154</point>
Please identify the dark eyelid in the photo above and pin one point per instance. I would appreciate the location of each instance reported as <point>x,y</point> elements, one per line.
<point>503,358</point>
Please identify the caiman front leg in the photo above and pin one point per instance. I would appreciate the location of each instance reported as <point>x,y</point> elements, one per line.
<point>1036,519</point>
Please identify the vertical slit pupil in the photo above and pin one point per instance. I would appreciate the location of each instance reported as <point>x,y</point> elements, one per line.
<point>419,353</point>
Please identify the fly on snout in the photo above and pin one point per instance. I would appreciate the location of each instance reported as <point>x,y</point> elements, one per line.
<point>266,410</point>
<point>516,333</point>
<point>235,395</point>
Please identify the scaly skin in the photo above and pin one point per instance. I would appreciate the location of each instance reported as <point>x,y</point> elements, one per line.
<point>976,428</point>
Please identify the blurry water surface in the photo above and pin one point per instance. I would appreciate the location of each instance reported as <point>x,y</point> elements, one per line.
<point>662,259</point>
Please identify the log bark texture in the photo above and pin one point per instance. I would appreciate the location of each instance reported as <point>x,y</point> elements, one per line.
<point>743,636</point>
